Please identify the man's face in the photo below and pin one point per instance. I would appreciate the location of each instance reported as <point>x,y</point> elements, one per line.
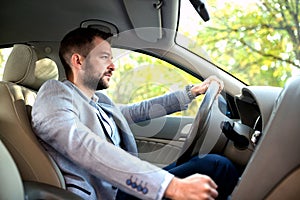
<point>98,66</point>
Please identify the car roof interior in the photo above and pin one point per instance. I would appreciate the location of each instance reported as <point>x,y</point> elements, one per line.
<point>56,19</point>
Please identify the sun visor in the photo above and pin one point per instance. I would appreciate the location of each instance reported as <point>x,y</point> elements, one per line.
<point>101,25</point>
<point>145,14</point>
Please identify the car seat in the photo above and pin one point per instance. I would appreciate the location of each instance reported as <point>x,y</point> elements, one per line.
<point>23,75</point>
<point>273,172</point>
<point>13,188</point>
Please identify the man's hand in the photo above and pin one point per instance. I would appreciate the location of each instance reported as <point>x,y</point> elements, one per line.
<point>201,88</point>
<point>194,187</point>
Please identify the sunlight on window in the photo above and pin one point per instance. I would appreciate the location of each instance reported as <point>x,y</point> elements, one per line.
<point>4,53</point>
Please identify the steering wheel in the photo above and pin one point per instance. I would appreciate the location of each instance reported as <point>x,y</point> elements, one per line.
<point>200,124</point>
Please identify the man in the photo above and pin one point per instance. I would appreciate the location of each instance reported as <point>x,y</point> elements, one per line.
<point>90,140</point>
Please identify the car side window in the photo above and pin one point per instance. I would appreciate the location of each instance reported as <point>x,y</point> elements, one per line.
<point>139,76</point>
<point>4,53</point>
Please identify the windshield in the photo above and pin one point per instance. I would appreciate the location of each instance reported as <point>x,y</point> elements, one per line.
<point>256,41</point>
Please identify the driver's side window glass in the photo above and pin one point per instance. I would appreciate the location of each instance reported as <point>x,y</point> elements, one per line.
<point>139,76</point>
<point>4,53</point>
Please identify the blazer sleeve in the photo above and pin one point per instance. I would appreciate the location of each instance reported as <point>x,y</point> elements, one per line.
<point>56,121</point>
<point>156,107</point>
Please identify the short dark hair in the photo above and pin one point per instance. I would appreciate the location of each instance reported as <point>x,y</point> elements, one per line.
<point>79,40</point>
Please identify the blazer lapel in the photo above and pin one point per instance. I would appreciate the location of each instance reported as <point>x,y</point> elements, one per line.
<point>124,129</point>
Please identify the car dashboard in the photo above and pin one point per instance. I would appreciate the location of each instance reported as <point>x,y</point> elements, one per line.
<point>255,104</point>
<point>237,138</point>
<point>240,136</point>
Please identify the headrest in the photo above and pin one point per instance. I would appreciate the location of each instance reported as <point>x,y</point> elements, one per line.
<point>24,68</point>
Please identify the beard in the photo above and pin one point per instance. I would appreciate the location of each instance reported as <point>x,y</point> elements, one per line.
<point>95,83</point>
<point>102,84</point>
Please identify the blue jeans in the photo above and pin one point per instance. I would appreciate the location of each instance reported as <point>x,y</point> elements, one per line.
<point>219,168</point>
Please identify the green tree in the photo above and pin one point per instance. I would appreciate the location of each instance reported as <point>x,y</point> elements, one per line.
<point>259,43</point>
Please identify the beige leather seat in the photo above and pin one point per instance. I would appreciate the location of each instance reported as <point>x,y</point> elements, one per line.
<point>13,188</point>
<point>273,172</point>
<point>22,71</point>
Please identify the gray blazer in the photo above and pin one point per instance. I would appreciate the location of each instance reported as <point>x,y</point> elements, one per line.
<point>94,168</point>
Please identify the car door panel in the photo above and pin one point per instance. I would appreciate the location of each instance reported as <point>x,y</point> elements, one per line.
<point>160,140</point>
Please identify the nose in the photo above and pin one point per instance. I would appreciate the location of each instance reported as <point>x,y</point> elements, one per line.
<point>111,66</point>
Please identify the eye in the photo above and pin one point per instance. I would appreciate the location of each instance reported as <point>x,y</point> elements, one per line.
<point>105,57</point>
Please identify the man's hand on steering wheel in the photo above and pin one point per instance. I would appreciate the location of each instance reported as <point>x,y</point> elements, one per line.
<point>212,86</point>
<point>202,87</point>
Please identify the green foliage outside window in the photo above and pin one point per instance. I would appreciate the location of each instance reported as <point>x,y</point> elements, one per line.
<point>257,41</point>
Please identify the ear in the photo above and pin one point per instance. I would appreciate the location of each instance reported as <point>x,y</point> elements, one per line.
<point>77,60</point>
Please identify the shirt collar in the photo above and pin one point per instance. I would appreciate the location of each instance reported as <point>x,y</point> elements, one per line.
<point>95,98</point>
